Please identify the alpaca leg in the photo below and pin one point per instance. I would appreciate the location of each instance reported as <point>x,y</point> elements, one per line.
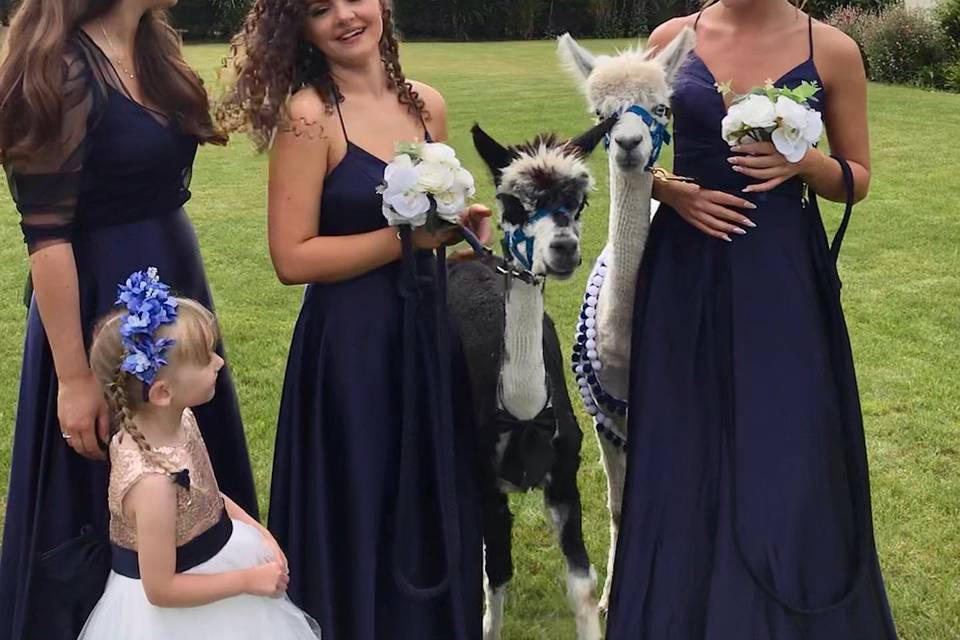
<point>497,533</point>
<point>615,465</point>
<point>562,500</point>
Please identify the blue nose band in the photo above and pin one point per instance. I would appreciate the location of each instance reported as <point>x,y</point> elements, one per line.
<point>519,245</point>
<point>658,132</point>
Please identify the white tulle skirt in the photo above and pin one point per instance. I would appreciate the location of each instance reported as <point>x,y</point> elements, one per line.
<point>124,613</point>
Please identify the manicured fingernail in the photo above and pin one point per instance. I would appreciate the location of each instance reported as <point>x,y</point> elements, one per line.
<point>736,149</point>
<point>727,238</point>
<point>750,223</point>
<point>749,205</point>
<point>736,168</point>
<point>740,231</point>
<point>732,160</point>
<point>748,189</point>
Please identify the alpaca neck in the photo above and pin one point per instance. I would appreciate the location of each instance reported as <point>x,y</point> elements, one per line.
<point>523,374</point>
<point>627,234</point>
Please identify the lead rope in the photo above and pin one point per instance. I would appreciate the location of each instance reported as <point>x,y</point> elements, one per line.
<point>413,288</point>
<point>863,529</point>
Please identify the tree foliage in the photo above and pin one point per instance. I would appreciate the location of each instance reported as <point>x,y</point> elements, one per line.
<point>494,19</point>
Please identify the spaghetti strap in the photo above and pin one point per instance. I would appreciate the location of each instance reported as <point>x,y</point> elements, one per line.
<point>810,34</point>
<point>423,123</point>
<point>342,124</point>
<point>697,21</point>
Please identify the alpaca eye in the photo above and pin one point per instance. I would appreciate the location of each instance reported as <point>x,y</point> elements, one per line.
<point>662,111</point>
<point>513,211</point>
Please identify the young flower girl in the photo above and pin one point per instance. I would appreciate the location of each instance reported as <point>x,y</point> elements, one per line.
<point>187,562</point>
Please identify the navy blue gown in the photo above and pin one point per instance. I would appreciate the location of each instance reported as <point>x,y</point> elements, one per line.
<point>114,187</point>
<point>374,496</point>
<point>747,503</point>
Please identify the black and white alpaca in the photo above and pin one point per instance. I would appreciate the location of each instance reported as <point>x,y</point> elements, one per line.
<point>633,89</point>
<point>529,436</point>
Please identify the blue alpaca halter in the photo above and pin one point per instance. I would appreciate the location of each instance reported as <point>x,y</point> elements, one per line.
<point>513,239</point>
<point>658,132</point>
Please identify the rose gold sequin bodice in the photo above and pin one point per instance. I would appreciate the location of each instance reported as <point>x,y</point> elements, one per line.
<point>198,508</point>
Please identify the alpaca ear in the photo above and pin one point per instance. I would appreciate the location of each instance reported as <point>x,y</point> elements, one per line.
<point>493,153</point>
<point>589,140</point>
<point>578,61</point>
<point>675,54</point>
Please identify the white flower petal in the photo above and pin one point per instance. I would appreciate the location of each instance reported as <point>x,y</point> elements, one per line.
<point>790,144</point>
<point>439,153</point>
<point>756,111</point>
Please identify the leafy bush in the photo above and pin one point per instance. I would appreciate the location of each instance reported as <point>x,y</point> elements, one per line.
<point>951,76</point>
<point>907,46</point>
<point>824,8</point>
<point>855,22</point>
<point>202,19</point>
<point>949,14</point>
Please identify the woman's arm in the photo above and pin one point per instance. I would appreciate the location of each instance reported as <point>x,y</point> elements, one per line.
<point>46,187</point>
<point>845,92</point>
<point>82,409</point>
<point>298,167</point>
<point>152,503</point>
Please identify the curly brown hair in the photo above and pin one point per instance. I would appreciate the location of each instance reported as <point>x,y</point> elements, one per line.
<point>269,61</point>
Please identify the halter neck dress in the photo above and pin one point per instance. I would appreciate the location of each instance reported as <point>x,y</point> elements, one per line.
<point>377,513</point>
<point>113,186</point>
<point>747,503</point>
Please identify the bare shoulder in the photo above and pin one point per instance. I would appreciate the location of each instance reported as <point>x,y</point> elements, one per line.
<point>837,54</point>
<point>307,115</point>
<point>667,31</point>
<point>432,98</point>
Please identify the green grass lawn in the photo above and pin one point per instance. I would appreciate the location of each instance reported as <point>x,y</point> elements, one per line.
<point>901,269</point>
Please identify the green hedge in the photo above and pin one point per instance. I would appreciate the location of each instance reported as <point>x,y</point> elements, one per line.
<point>906,46</point>
<point>494,19</point>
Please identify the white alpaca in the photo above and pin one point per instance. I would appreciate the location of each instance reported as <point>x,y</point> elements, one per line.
<point>634,87</point>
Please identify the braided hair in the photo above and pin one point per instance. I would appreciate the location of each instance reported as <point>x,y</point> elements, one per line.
<point>195,332</point>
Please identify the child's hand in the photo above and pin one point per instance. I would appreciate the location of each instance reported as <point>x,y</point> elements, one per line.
<point>269,580</point>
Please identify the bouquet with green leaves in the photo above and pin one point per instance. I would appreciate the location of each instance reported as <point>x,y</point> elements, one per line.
<point>775,114</point>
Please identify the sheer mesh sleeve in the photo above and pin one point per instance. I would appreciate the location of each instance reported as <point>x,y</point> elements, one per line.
<point>46,185</point>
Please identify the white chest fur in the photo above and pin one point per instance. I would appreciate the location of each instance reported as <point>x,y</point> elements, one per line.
<point>523,388</point>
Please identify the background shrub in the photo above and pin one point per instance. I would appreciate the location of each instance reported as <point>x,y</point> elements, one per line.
<point>907,46</point>
<point>949,14</point>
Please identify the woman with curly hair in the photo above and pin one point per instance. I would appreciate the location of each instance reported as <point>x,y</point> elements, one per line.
<point>100,118</point>
<point>378,512</point>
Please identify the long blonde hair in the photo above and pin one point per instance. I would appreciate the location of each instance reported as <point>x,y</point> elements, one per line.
<point>195,332</point>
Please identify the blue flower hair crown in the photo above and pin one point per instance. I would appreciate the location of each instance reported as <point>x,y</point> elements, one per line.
<point>149,306</point>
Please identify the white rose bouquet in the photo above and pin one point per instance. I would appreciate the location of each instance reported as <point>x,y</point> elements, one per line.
<point>779,115</point>
<point>425,185</point>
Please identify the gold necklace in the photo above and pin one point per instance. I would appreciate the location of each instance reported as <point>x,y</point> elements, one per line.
<point>113,50</point>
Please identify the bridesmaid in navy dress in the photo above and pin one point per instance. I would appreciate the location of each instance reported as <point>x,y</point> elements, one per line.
<point>373,497</point>
<point>100,176</point>
<point>747,505</point>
